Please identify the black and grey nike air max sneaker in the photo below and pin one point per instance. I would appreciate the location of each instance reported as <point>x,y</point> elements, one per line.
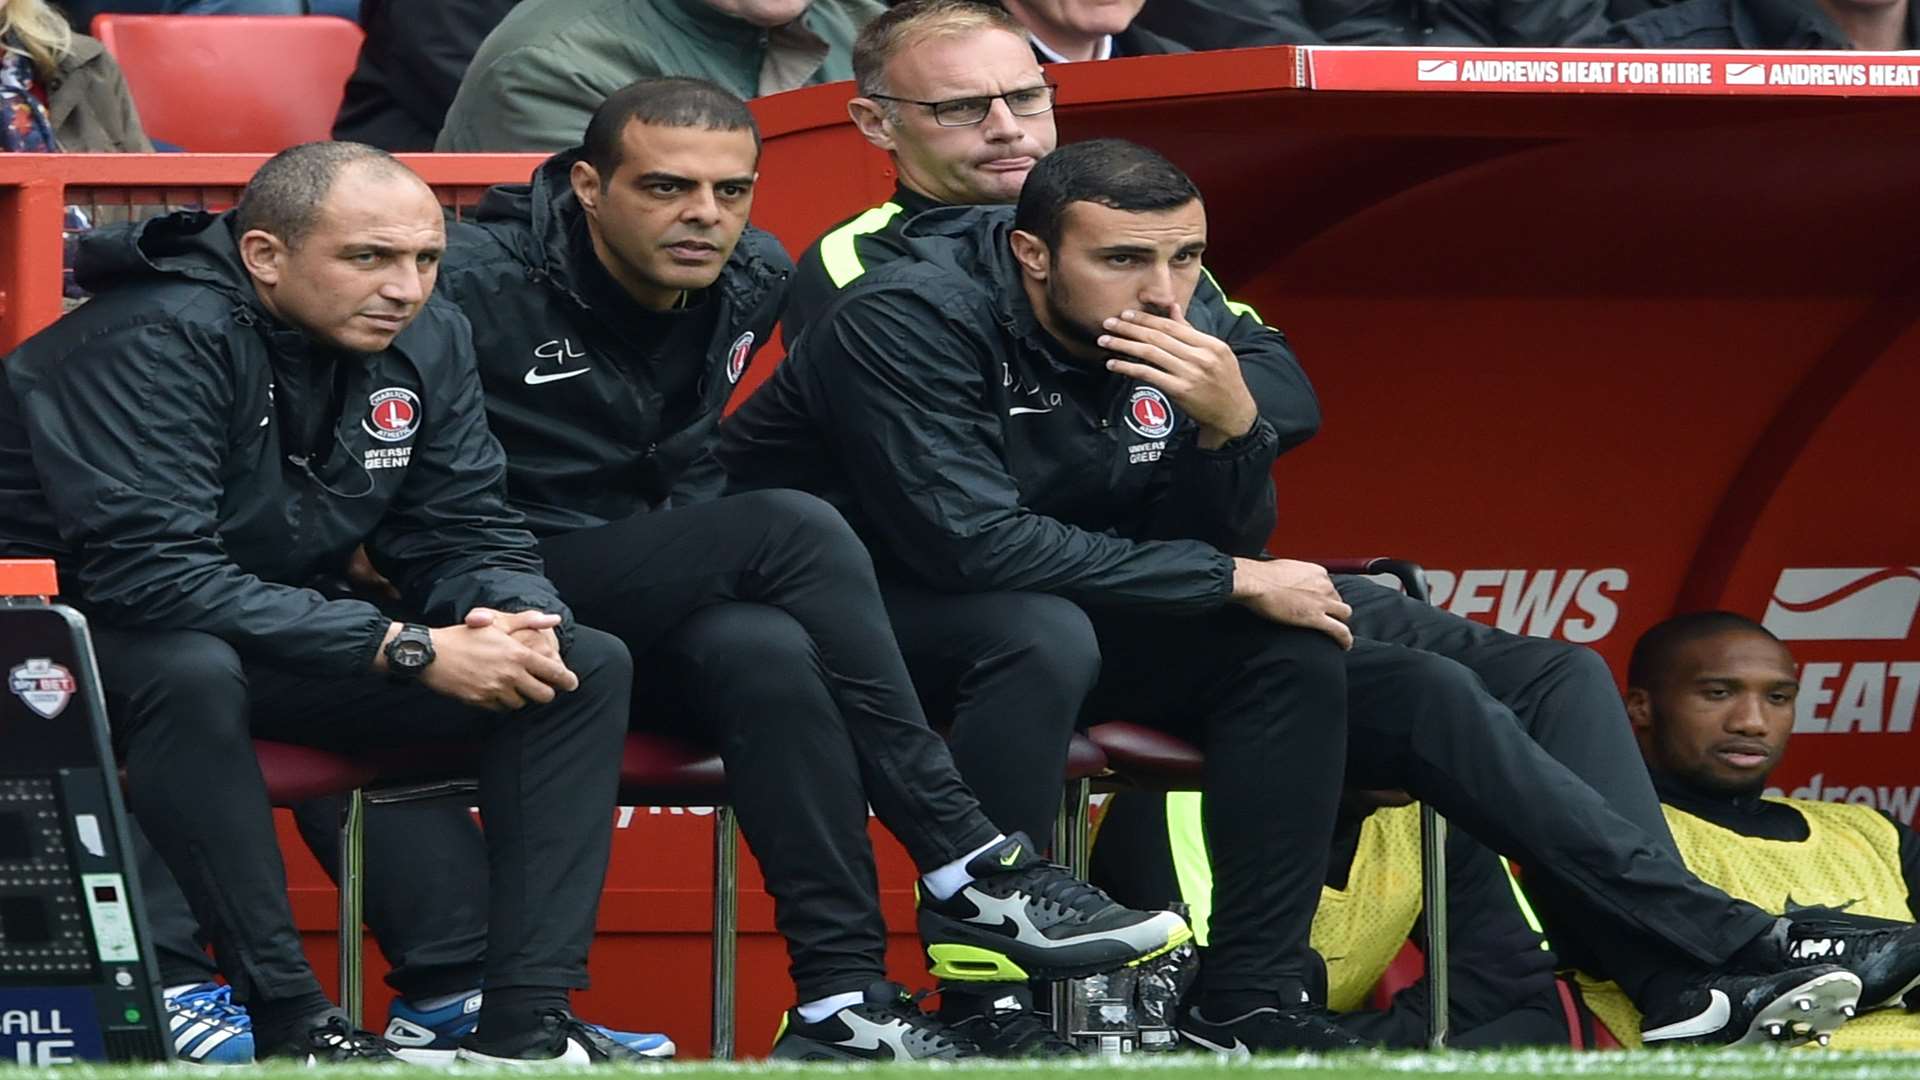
<point>1266,1030</point>
<point>1885,957</point>
<point>888,1026</point>
<point>1784,1008</point>
<point>1023,918</point>
<point>1008,1027</point>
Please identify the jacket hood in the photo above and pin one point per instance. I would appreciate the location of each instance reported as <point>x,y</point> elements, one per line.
<point>544,211</point>
<point>972,241</point>
<point>189,244</point>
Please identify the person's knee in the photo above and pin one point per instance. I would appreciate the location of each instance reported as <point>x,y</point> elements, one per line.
<point>1051,637</point>
<point>810,523</point>
<point>604,668</point>
<point>754,657</point>
<point>1307,666</point>
<point>201,682</point>
<point>1568,668</point>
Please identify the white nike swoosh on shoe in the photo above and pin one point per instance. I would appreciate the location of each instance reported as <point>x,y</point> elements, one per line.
<point>535,378</point>
<point>575,1054</point>
<point>1706,1022</point>
<point>1238,1049</point>
<point>1022,410</point>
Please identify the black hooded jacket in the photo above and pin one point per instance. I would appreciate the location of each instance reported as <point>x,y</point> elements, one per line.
<point>162,443</point>
<point>1238,24</point>
<point>572,391</point>
<point>967,449</point>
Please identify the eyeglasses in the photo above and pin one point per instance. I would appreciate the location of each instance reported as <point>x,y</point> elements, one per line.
<point>968,111</point>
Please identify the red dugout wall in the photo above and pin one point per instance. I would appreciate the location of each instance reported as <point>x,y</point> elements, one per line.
<point>1598,336</point>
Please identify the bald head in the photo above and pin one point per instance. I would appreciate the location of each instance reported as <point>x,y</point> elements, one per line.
<point>286,196</point>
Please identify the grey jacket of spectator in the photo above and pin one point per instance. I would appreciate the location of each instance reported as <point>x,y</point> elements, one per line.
<point>1741,24</point>
<point>542,72</point>
<point>410,67</point>
<point>1439,23</point>
<point>89,106</point>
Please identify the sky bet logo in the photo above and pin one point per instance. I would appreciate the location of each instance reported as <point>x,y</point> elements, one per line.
<point>1851,604</point>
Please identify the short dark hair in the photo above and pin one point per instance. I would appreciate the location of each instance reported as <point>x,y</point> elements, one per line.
<point>1112,172</point>
<point>284,196</point>
<point>668,102</point>
<point>1654,652</point>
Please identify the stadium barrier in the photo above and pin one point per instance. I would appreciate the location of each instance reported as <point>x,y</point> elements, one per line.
<point>1598,336</point>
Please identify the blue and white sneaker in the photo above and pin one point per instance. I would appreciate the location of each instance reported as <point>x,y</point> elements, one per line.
<point>207,1028</point>
<point>432,1036</point>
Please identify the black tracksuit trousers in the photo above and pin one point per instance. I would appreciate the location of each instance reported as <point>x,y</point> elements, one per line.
<point>1524,743</point>
<point>185,708</point>
<point>756,624</point>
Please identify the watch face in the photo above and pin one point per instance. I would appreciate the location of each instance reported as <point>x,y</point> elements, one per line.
<point>408,654</point>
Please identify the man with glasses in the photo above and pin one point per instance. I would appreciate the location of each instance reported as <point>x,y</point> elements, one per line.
<point>950,89</point>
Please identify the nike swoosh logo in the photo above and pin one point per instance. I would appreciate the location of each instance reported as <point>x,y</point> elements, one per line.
<point>1021,410</point>
<point>1706,1022</point>
<point>534,378</point>
<point>1011,855</point>
<point>1238,1049</point>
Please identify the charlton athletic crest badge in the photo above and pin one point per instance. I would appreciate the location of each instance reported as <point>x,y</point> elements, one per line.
<point>1149,413</point>
<point>737,356</point>
<point>393,414</point>
<point>45,686</point>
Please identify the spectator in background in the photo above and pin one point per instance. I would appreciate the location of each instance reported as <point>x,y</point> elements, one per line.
<point>411,64</point>
<point>1876,25</point>
<point>1228,24</point>
<point>1447,23</point>
<point>81,12</point>
<point>1063,30</point>
<point>546,67</point>
<point>60,90</point>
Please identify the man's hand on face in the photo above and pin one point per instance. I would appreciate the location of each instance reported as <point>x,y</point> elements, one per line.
<point>1293,592</point>
<point>499,660</point>
<point>1198,371</point>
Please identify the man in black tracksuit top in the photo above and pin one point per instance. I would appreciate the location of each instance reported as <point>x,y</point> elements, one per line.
<point>248,398</point>
<point>978,448</point>
<point>617,300</point>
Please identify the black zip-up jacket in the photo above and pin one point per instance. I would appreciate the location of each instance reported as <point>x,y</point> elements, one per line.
<point>151,442</point>
<point>591,448</point>
<point>869,239</point>
<point>969,450</point>
<point>1740,24</point>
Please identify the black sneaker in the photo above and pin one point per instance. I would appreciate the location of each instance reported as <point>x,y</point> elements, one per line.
<point>1887,959</point>
<point>1009,1029</point>
<point>1267,1030</point>
<point>1023,919</point>
<point>562,1040</point>
<point>887,1026</point>
<point>1785,1008</point>
<point>330,1039</point>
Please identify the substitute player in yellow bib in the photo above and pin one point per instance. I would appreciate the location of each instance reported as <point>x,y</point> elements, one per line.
<point>1711,695</point>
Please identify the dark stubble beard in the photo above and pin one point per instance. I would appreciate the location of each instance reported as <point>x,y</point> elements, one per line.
<point>1071,330</point>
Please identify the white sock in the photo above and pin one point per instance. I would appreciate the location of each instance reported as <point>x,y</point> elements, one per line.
<point>953,877</point>
<point>815,1011</point>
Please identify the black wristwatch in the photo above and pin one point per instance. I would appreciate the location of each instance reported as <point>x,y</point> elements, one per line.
<point>409,653</point>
